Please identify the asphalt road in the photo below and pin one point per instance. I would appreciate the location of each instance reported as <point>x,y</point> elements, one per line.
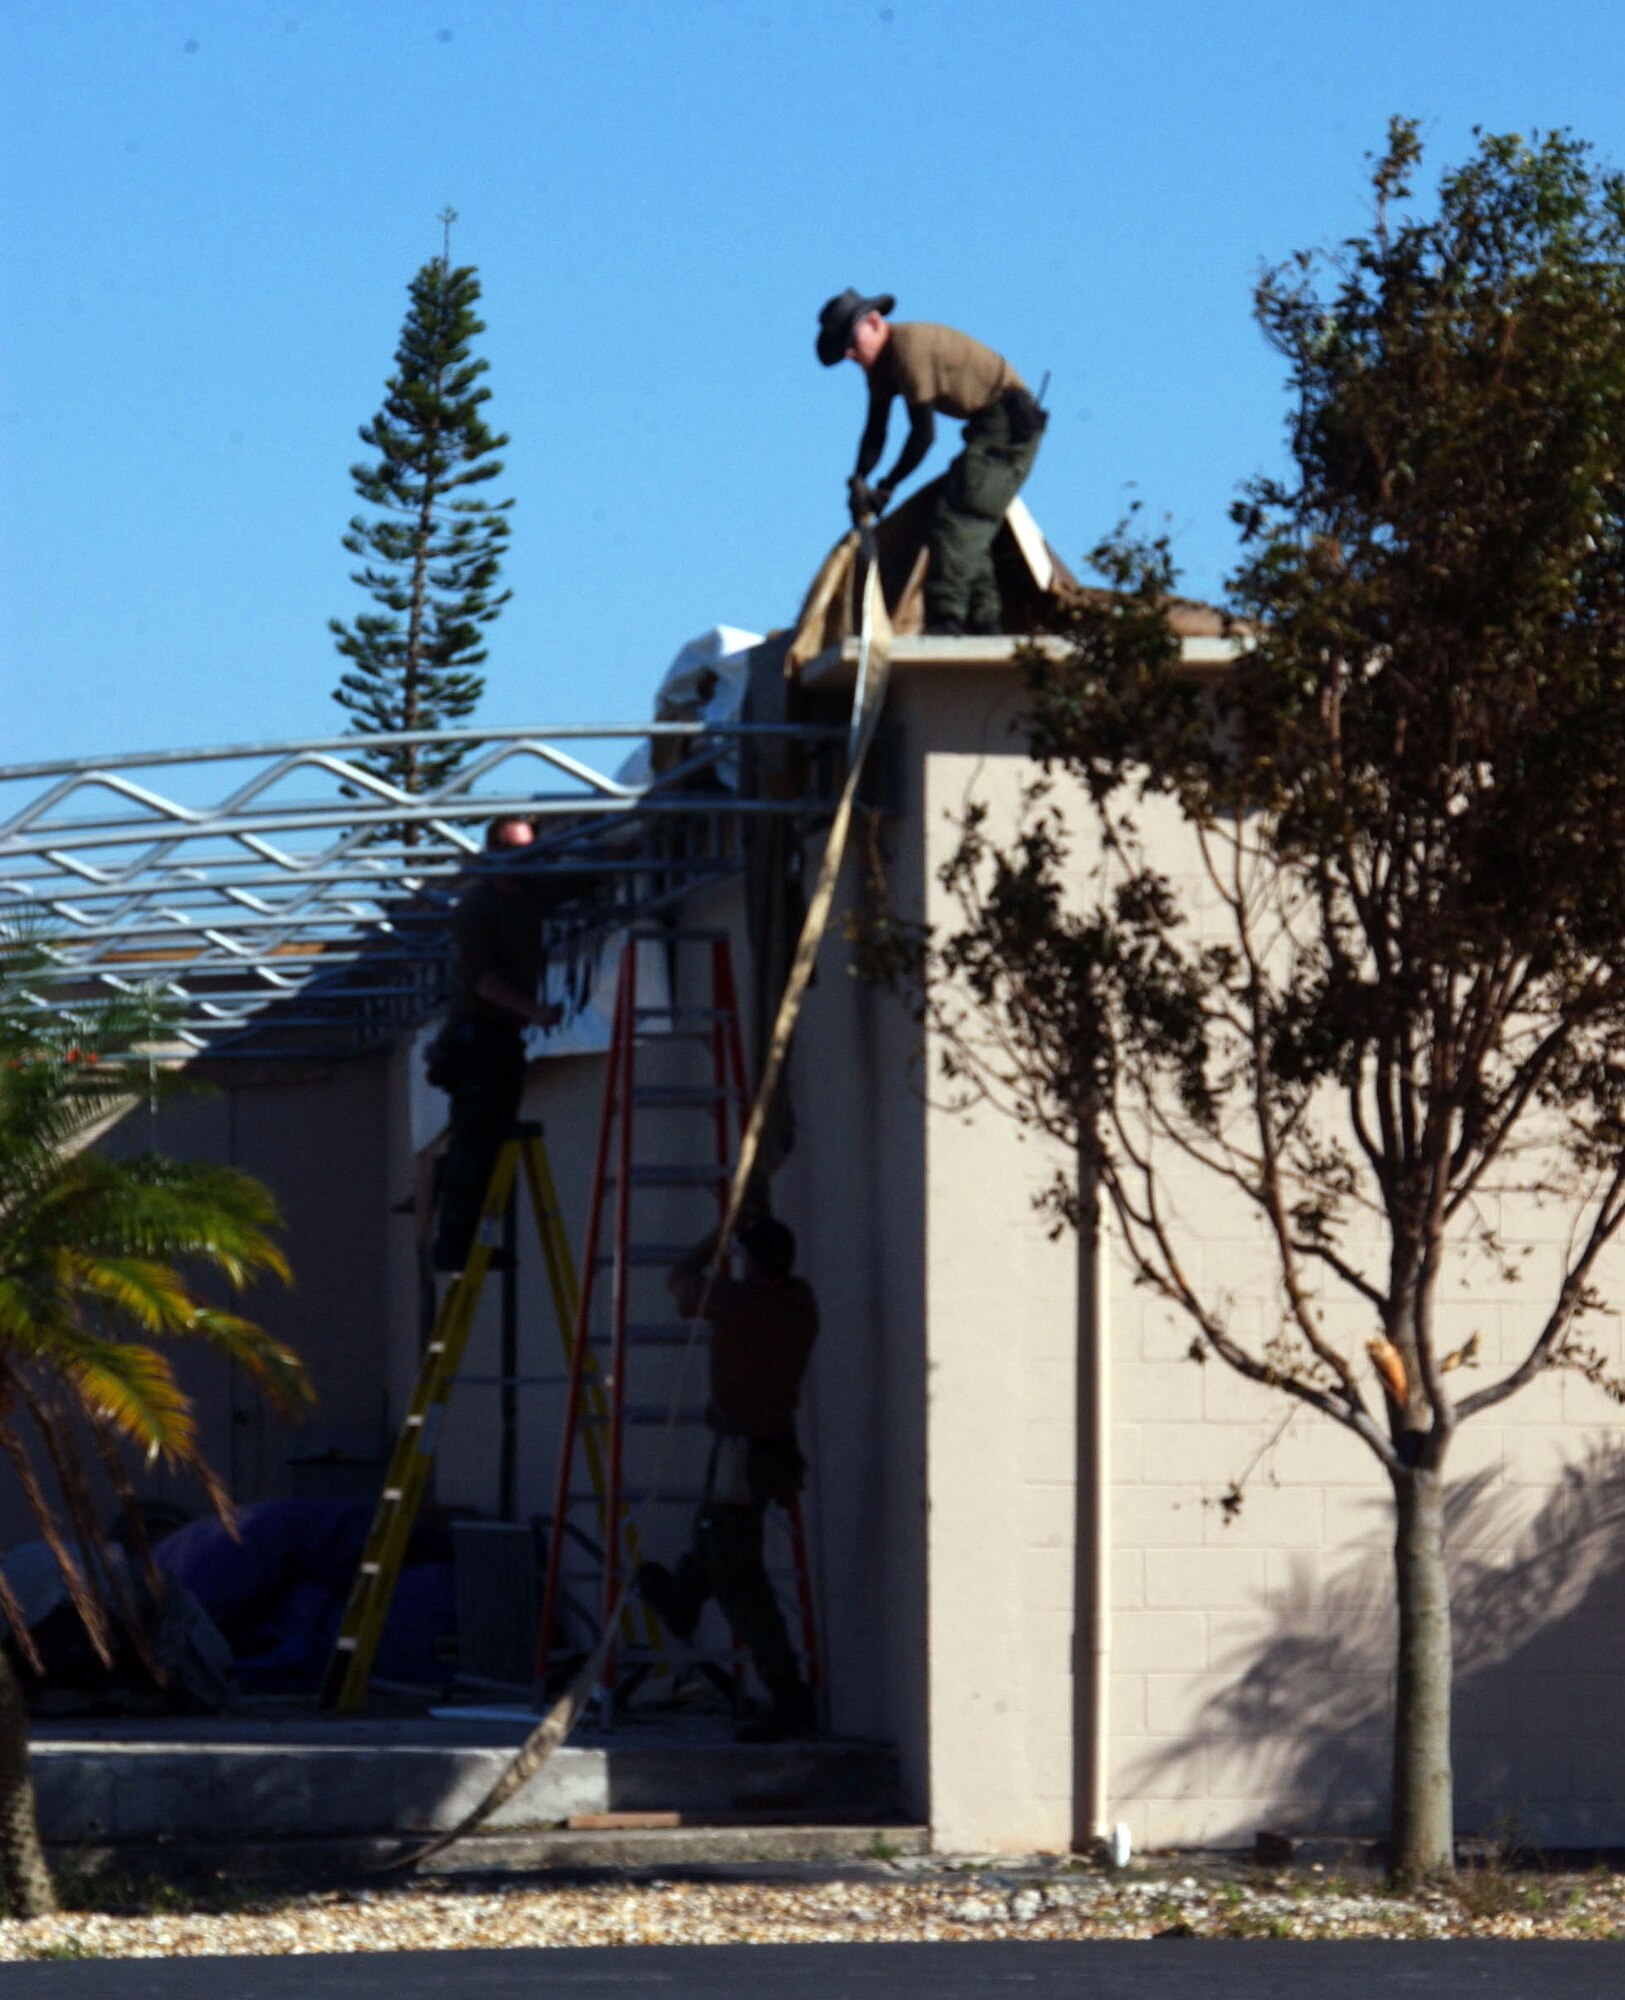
<point>1171,1970</point>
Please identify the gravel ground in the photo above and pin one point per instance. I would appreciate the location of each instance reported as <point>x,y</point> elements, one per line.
<point>899,1901</point>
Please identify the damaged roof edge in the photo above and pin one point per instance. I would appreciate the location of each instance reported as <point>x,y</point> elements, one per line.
<point>1039,594</point>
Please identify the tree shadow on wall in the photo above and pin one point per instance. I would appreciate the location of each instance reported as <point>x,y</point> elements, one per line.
<point>1305,1728</point>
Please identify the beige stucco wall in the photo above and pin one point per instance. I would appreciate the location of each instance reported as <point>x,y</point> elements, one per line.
<point>1002,1340</point>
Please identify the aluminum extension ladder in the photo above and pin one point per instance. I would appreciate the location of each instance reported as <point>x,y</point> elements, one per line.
<point>349,1667</point>
<point>610,1355</point>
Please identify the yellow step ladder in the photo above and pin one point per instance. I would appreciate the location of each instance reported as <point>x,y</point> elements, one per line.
<point>349,1668</point>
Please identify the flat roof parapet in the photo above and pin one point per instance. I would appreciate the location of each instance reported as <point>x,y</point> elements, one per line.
<point>1200,652</point>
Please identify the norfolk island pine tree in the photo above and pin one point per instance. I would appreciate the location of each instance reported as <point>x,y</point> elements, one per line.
<point>432,551</point>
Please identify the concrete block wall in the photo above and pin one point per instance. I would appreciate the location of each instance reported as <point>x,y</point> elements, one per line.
<point>1252,1656</point>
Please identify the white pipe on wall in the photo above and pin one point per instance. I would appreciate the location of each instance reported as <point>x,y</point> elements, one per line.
<point>1100,1461</point>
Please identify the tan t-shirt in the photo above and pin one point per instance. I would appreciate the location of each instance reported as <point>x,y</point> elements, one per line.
<point>937,368</point>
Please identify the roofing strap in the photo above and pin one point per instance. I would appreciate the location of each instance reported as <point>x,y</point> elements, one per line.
<point>874,666</point>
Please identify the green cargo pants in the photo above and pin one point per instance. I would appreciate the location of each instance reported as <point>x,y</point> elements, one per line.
<point>725,1561</point>
<point>960,587</point>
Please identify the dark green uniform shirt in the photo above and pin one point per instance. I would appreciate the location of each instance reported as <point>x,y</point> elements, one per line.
<point>497,927</point>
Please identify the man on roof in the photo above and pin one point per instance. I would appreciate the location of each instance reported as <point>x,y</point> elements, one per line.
<point>934,368</point>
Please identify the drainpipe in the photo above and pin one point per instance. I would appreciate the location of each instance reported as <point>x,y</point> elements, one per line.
<point>1092,1567</point>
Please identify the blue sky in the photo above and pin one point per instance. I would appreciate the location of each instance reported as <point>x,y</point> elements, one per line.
<point>209,214</point>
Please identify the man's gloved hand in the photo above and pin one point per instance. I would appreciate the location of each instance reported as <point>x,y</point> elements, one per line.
<point>866,501</point>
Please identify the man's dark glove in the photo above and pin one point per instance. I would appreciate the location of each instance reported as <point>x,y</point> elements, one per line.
<point>866,501</point>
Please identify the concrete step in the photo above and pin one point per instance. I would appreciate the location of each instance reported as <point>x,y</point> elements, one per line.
<point>242,1781</point>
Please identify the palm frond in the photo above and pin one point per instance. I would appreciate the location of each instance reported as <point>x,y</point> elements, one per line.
<point>105,1574</point>
<point>20,1311</point>
<point>92,1613</point>
<point>273,1367</point>
<point>157,1208</point>
<point>151,1294</point>
<point>18,1626</point>
<point>88,1243</point>
<point>133,1388</point>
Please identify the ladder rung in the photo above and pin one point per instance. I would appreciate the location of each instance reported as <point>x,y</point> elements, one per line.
<point>647,1333</point>
<point>684,1096</point>
<point>653,934</point>
<point>781,1573</point>
<point>513,1381</point>
<point>632,1496</point>
<point>653,1174</point>
<point>651,1413</point>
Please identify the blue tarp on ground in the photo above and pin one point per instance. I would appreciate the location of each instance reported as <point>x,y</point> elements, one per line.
<point>278,1593</point>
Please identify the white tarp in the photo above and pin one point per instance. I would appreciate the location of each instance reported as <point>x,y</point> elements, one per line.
<point>705,683</point>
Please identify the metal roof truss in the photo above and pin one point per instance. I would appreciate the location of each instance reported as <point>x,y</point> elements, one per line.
<point>288,900</point>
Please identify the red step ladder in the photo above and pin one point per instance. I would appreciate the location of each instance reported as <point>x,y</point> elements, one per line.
<point>612,1350</point>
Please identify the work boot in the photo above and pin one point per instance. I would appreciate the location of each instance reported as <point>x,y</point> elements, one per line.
<point>794,1713</point>
<point>666,1598</point>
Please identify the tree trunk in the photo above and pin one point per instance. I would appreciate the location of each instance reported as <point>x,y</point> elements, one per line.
<point>23,1861</point>
<point>1423,1822</point>
<point>26,1879</point>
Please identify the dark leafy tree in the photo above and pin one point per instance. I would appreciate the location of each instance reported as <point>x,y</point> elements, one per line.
<point>100,1267</point>
<point>432,551</point>
<point>1382,1010</point>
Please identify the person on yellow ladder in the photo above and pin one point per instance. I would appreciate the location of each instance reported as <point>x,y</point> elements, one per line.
<point>762,1328</point>
<point>478,1058</point>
